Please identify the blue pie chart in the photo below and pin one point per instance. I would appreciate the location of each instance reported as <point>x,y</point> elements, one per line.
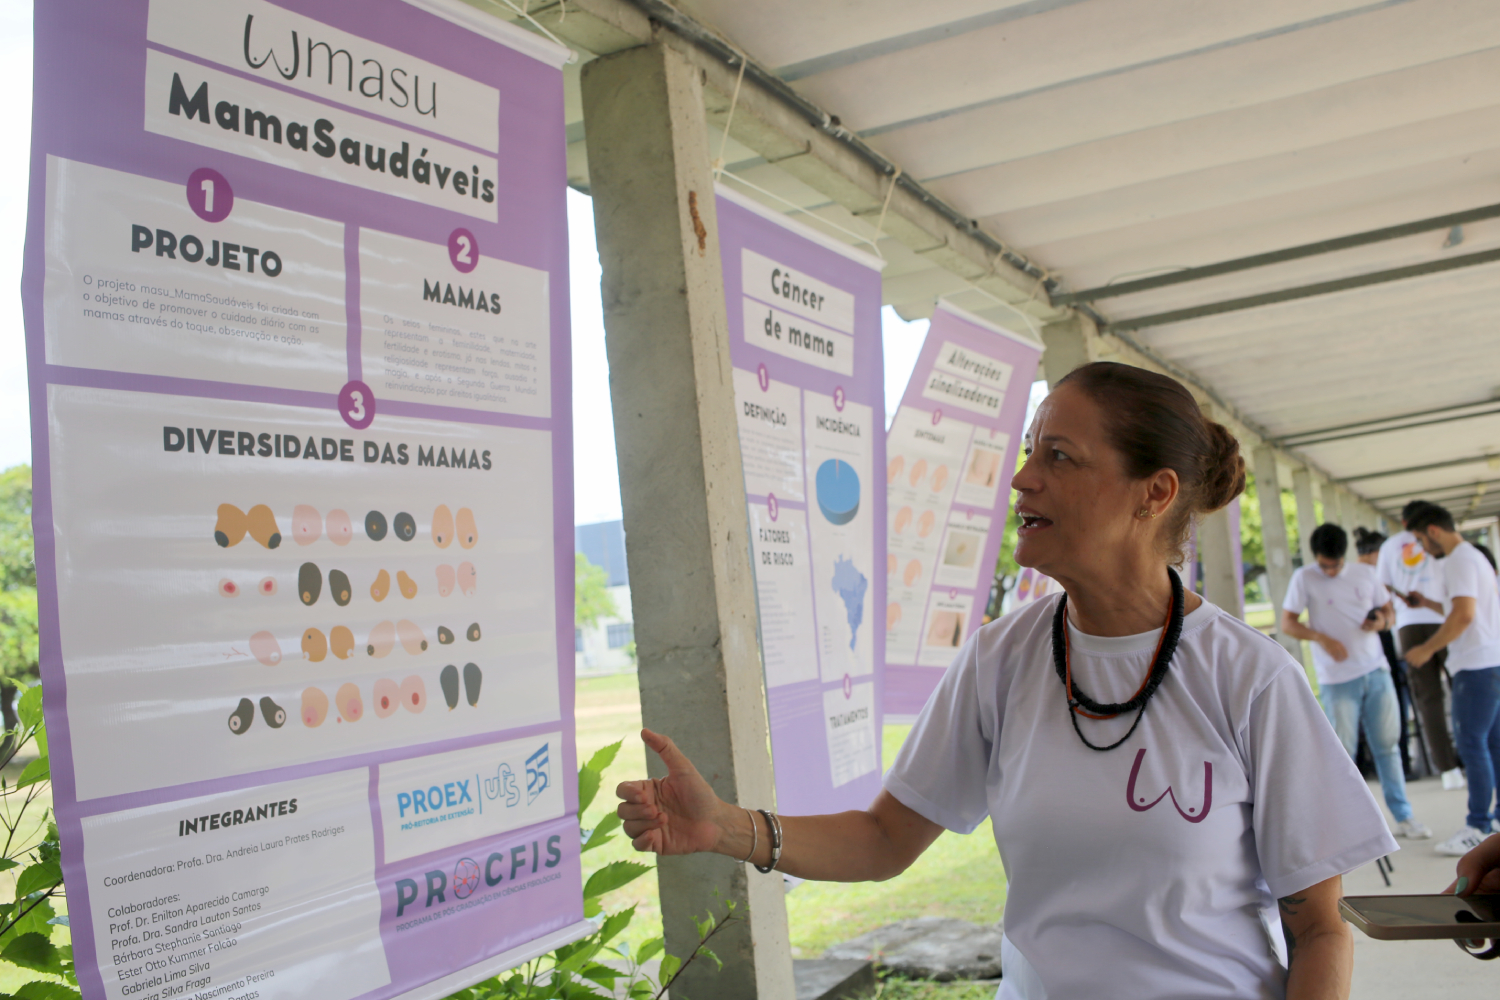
<point>837,487</point>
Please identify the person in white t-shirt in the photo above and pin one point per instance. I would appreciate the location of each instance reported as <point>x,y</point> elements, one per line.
<point>1347,607</point>
<point>1405,566</point>
<point>1168,798</point>
<point>1471,634</point>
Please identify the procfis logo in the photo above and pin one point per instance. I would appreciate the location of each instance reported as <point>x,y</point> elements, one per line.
<point>515,864</point>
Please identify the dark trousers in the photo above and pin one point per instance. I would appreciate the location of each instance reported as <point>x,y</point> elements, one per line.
<point>1427,696</point>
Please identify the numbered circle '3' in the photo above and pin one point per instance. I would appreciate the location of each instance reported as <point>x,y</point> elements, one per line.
<point>463,250</point>
<point>209,195</point>
<point>357,405</point>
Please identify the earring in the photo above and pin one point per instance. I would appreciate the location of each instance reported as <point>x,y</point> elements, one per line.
<point>1145,512</point>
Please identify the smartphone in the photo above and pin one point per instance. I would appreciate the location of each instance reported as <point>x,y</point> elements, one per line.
<point>1374,614</point>
<point>1405,918</point>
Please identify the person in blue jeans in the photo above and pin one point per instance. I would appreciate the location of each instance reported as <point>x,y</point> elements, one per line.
<point>1471,634</point>
<point>1347,607</point>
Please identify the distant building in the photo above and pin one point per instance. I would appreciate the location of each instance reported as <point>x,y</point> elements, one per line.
<point>605,648</point>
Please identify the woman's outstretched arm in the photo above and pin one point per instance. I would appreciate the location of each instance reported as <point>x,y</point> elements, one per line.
<point>680,814</point>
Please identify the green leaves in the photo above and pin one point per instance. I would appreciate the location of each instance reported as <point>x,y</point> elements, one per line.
<point>601,833</point>
<point>42,990</point>
<point>38,770</point>
<point>612,876</point>
<point>29,707</point>
<point>38,878</point>
<point>592,773</point>
<point>35,952</point>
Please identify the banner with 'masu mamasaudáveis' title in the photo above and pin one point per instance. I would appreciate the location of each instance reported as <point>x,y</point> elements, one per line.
<point>952,450</point>
<point>804,328</point>
<point>297,328</point>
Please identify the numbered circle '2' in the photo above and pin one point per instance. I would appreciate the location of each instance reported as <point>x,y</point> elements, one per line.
<point>463,250</point>
<point>357,405</point>
<point>209,195</point>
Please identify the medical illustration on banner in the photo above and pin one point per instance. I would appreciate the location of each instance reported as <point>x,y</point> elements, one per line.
<point>805,344</point>
<point>950,454</point>
<point>303,520</point>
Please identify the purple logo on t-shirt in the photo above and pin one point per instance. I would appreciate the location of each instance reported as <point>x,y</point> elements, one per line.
<point>1192,815</point>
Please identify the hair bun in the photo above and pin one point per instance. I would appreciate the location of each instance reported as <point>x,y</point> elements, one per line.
<point>1224,469</point>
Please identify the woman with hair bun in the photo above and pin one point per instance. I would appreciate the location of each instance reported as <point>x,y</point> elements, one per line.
<point>1172,807</point>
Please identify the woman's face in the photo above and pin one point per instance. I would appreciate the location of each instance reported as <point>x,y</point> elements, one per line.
<point>1077,506</point>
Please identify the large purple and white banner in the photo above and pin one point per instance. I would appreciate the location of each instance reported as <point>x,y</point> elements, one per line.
<point>297,325</point>
<point>953,447</point>
<point>804,327</point>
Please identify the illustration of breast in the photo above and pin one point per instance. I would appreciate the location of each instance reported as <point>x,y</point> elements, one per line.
<point>265,648</point>
<point>912,571</point>
<point>407,584</point>
<point>445,579</point>
<point>894,469</point>
<point>341,641</point>
<point>1041,587</point>
<point>918,471</point>
<point>339,587</point>
<point>382,639</point>
<point>466,578</point>
<point>314,708</point>
<point>472,632</point>
<point>414,693</point>
<point>241,717</point>
<point>472,679</point>
<point>273,713</point>
<point>386,698</point>
<point>1023,585</point>
<point>442,527</point>
<point>231,526</point>
<point>925,523</point>
<point>890,562</point>
<point>939,478</point>
<point>261,524</point>
<point>266,587</point>
<point>382,585</point>
<point>375,525</point>
<point>1412,554</point>
<point>412,639</point>
<point>468,531</point>
<point>307,524</point>
<point>314,645</point>
<point>448,679</point>
<point>228,588</point>
<point>405,526</point>
<point>309,583</point>
<point>892,615</point>
<point>903,519</point>
<point>340,528</point>
<point>351,705</point>
<point>445,635</point>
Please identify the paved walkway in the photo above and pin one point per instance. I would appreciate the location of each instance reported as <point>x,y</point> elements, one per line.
<point>1413,970</point>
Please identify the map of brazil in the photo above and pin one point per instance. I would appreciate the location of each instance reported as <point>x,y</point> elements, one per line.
<point>850,584</point>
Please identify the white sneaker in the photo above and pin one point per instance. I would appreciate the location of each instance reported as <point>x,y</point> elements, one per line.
<point>1453,780</point>
<point>1414,829</point>
<point>1461,843</point>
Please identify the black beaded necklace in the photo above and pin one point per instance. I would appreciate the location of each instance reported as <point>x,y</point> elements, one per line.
<point>1080,703</point>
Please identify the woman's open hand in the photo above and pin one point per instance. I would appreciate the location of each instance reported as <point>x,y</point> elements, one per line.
<point>678,814</point>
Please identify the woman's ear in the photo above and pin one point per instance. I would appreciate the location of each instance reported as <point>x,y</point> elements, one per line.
<point>1161,490</point>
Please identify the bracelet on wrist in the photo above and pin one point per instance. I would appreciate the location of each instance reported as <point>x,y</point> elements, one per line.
<point>774,826</point>
<point>754,838</point>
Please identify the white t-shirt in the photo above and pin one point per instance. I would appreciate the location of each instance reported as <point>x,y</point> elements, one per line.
<point>1405,566</point>
<point>1466,573</point>
<point>1337,606</point>
<point>1151,870</point>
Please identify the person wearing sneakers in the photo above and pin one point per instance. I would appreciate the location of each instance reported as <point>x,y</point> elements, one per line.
<point>1405,566</point>
<point>1471,634</point>
<point>1347,606</point>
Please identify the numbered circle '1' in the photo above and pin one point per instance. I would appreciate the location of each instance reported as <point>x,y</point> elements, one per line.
<point>209,195</point>
<point>463,250</point>
<point>357,405</point>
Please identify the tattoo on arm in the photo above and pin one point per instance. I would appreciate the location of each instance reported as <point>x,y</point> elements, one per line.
<point>1289,907</point>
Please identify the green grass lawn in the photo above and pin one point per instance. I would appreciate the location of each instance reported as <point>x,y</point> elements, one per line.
<point>957,877</point>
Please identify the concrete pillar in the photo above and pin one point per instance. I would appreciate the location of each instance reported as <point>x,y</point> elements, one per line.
<point>682,487</point>
<point>1216,550</point>
<point>1066,345</point>
<point>1273,536</point>
<point>1307,511</point>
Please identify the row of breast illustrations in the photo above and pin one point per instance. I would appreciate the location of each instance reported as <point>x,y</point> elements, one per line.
<point>259,522</point>
<point>340,641</point>
<point>387,696</point>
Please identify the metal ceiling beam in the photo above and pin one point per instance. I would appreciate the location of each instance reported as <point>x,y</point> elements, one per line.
<point>1279,256</point>
<point>1458,489</point>
<point>1387,425</point>
<point>1451,463</point>
<point>1305,291</point>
